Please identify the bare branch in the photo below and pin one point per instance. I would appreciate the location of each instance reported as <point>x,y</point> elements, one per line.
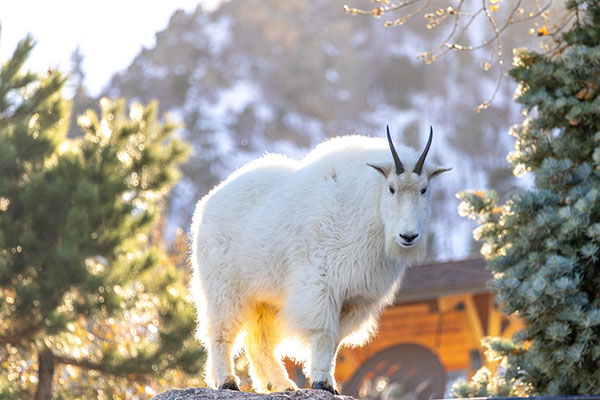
<point>492,21</point>
<point>86,364</point>
<point>462,19</point>
<point>17,337</point>
<point>400,21</point>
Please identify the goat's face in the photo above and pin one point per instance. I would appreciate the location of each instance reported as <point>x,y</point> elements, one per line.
<point>405,197</point>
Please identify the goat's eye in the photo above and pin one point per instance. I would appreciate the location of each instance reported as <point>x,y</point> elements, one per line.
<point>392,191</point>
<point>424,190</point>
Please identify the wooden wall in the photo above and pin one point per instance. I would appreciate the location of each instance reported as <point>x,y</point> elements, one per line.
<point>451,327</point>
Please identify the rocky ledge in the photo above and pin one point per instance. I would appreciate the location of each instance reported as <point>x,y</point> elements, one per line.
<point>211,394</point>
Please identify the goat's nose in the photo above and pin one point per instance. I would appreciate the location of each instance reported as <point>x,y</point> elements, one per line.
<point>409,237</point>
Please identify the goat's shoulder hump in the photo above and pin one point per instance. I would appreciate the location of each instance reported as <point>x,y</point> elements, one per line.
<point>350,149</point>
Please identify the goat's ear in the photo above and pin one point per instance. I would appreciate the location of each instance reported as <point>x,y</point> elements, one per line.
<point>436,170</point>
<point>383,169</point>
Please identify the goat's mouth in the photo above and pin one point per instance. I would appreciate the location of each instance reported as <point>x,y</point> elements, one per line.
<point>405,244</point>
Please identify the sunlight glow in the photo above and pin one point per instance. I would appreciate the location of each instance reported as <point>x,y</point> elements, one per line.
<point>105,130</point>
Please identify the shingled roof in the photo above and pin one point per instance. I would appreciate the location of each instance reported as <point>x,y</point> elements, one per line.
<point>430,281</point>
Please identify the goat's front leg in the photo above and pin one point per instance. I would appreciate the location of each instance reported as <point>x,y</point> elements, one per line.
<point>313,311</point>
<point>323,349</point>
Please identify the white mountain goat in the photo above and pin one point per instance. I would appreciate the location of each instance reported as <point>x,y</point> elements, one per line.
<point>308,251</point>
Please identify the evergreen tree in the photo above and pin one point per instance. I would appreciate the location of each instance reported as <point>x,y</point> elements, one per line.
<point>543,244</point>
<point>76,255</point>
<point>81,100</point>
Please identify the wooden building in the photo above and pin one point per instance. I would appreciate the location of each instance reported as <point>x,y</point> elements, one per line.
<point>433,330</point>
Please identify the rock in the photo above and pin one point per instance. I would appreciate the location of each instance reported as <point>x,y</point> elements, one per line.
<point>211,394</point>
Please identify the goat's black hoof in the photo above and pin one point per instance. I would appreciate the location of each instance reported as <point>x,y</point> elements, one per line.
<point>325,386</point>
<point>290,389</point>
<point>230,385</point>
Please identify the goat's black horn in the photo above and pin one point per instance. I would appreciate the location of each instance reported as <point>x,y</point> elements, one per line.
<point>419,165</point>
<point>397,162</point>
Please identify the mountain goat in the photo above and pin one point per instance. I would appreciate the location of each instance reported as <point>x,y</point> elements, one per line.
<point>306,251</point>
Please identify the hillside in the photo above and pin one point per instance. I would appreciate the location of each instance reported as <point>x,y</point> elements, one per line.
<point>270,76</point>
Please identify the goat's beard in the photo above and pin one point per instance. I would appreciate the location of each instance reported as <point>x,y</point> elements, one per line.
<point>406,255</point>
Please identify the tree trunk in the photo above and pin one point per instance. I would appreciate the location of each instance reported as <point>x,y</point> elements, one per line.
<point>45,374</point>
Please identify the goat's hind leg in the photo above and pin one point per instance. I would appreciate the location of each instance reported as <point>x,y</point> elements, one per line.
<point>222,334</point>
<point>263,336</point>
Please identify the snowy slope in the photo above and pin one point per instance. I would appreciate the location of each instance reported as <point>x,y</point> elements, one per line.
<point>269,76</point>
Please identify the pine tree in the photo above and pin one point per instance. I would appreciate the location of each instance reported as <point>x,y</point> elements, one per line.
<point>76,251</point>
<point>81,101</point>
<point>543,244</point>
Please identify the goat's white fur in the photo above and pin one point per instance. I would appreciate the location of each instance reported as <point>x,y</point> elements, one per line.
<point>306,251</point>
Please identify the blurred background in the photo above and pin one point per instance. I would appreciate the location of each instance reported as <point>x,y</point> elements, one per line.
<point>244,78</point>
<point>270,76</point>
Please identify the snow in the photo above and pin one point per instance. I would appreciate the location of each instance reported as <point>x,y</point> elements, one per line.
<point>330,49</point>
<point>218,33</point>
<point>301,123</point>
<point>332,75</point>
<point>264,112</point>
<point>232,100</point>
